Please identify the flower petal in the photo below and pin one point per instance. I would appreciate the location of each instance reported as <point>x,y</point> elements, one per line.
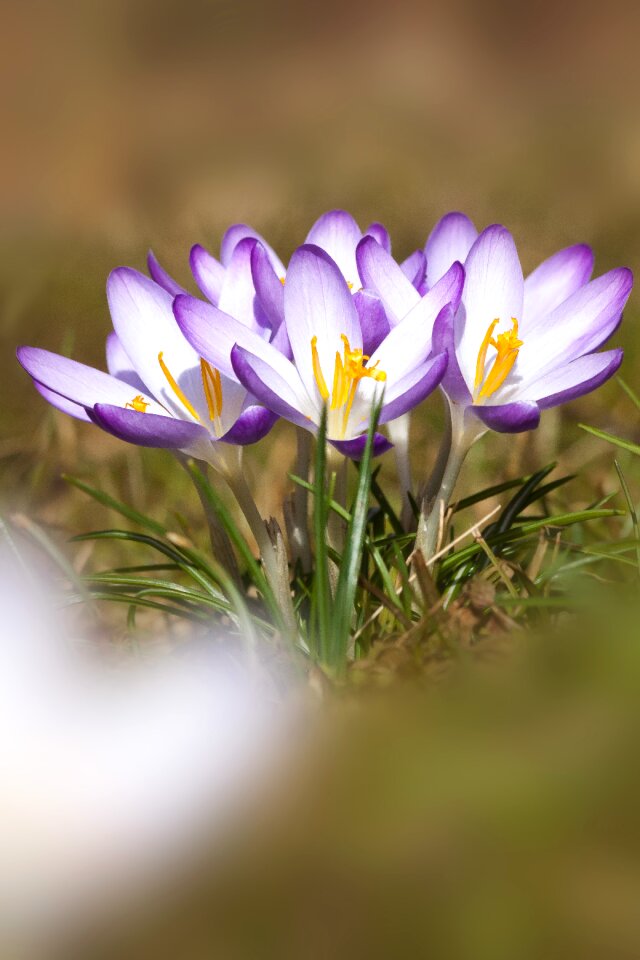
<point>379,233</point>
<point>150,429</point>
<point>574,379</point>
<point>373,319</point>
<point>237,294</point>
<point>61,403</point>
<point>417,387</point>
<point>553,282</point>
<point>451,239</point>
<point>317,303</point>
<point>493,289</point>
<point>143,318</point>
<point>268,286</point>
<point>509,417</point>
<point>119,365</point>
<point>380,273</point>
<point>214,334</point>
<point>238,232</point>
<point>414,268</point>
<point>75,381</point>
<point>354,449</point>
<point>269,387</point>
<point>453,382</point>
<point>580,325</point>
<point>338,234</point>
<point>410,342</point>
<point>252,425</point>
<point>207,272</point>
<point>161,277</point>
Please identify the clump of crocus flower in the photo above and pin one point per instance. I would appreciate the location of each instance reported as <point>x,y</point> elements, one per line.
<point>342,330</point>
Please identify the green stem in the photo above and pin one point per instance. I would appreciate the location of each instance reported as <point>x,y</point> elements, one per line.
<point>271,552</point>
<point>431,521</point>
<point>399,436</point>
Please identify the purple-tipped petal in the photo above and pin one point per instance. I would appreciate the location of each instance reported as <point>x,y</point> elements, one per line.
<point>380,273</point>
<point>149,429</point>
<point>443,341</point>
<point>373,320</point>
<point>213,335</point>
<point>268,386</point>
<point>268,285</point>
<point>354,449</point>
<point>415,268</point>
<point>418,386</point>
<point>553,282</point>
<point>338,234</point>
<point>207,272</point>
<point>237,294</point>
<point>240,231</point>
<point>280,340</point>
<point>493,289</point>
<point>274,391</point>
<point>379,233</point>
<point>509,417</point>
<point>77,382</point>
<point>161,277</point>
<point>252,425</point>
<point>451,239</point>
<point>579,325</point>
<point>61,403</point>
<point>410,342</point>
<point>142,314</point>
<point>119,365</point>
<point>318,303</point>
<point>575,379</point>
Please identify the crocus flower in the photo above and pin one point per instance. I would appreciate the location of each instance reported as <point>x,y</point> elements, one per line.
<point>338,234</point>
<point>329,366</point>
<point>518,347</point>
<point>159,392</point>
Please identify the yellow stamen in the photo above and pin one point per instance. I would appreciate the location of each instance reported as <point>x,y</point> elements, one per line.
<point>507,346</point>
<point>317,370</point>
<point>349,369</point>
<point>349,284</point>
<point>282,279</point>
<point>139,404</point>
<point>176,389</point>
<point>212,385</point>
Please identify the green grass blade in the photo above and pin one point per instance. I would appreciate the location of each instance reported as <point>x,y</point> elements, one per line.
<point>610,438</point>
<point>147,523</point>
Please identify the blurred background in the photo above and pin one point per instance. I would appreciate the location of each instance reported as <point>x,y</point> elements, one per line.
<point>139,124</point>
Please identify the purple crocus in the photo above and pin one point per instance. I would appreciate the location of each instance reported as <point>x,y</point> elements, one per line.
<point>517,347</point>
<point>159,392</point>
<point>338,234</point>
<point>329,365</point>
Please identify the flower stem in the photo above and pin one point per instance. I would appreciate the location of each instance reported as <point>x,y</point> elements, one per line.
<point>271,549</point>
<point>297,514</point>
<point>399,436</point>
<point>220,544</point>
<point>432,515</point>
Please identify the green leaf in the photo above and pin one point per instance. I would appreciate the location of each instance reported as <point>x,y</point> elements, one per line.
<point>107,501</point>
<point>610,438</point>
<point>352,556</point>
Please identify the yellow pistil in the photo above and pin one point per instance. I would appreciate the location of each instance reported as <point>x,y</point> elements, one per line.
<point>139,404</point>
<point>173,383</point>
<point>349,369</point>
<point>507,346</point>
<point>212,385</point>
